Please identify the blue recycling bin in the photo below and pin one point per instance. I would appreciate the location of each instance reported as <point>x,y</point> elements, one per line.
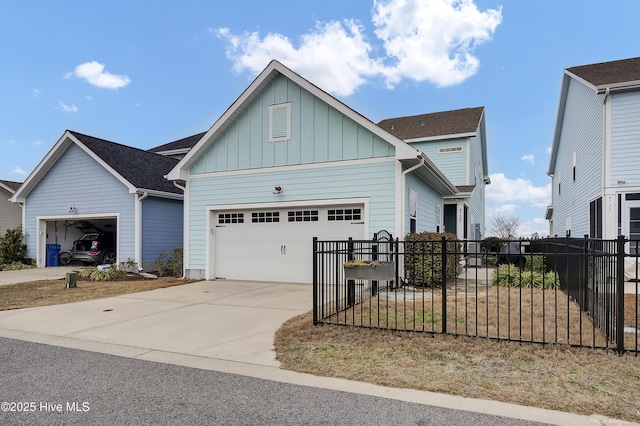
<point>53,251</point>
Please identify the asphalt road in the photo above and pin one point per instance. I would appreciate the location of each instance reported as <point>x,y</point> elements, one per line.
<point>42,384</point>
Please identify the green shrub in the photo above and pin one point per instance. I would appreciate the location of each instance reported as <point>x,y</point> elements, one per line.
<point>16,266</point>
<point>12,246</point>
<point>94,274</point>
<point>423,258</point>
<point>170,263</point>
<point>512,276</point>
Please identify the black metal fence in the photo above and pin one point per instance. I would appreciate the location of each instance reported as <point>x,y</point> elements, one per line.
<point>557,290</point>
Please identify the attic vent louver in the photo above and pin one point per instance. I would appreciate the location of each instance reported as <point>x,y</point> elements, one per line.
<point>422,124</point>
<point>280,122</point>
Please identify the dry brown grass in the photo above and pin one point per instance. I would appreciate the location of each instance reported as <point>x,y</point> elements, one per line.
<point>53,292</point>
<point>554,376</point>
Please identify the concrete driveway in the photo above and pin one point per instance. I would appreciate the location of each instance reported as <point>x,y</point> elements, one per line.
<point>224,320</point>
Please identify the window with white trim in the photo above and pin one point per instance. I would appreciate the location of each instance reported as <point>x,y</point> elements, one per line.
<point>449,149</point>
<point>265,217</point>
<point>231,218</point>
<point>280,122</point>
<point>413,211</point>
<point>303,216</point>
<point>344,214</point>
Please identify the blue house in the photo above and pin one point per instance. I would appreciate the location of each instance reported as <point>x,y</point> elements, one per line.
<point>596,147</point>
<point>115,188</point>
<point>288,162</point>
<point>456,142</point>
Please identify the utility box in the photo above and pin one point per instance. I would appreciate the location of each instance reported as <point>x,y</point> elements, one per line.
<point>71,279</point>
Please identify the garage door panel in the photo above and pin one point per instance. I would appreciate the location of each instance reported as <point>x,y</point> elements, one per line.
<point>282,250</point>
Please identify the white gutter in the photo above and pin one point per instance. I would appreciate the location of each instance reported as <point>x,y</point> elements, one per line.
<point>403,182</point>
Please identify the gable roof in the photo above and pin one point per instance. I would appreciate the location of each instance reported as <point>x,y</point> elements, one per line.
<point>180,146</point>
<point>615,74</point>
<point>603,77</point>
<point>10,186</point>
<point>139,170</point>
<point>460,122</point>
<point>271,72</point>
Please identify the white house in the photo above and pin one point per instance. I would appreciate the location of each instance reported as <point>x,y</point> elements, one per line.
<point>595,154</point>
<point>288,162</point>
<point>10,213</point>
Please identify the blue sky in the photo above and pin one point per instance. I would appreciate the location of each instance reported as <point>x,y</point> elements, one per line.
<point>143,76</point>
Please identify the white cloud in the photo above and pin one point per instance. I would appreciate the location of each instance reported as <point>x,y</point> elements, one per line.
<point>513,191</point>
<point>432,40</point>
<point>17,171</point>
<point>35,93</point>
<point>529,158</point>
<point>422,40</point>
<point>95,74</point>
<point>38,143</point>
<point>68,108</point>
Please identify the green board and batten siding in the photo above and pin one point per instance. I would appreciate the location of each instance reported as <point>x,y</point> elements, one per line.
<point>319,133</point>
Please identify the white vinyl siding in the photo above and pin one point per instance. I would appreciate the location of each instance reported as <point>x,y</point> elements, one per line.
<point>10,213</point>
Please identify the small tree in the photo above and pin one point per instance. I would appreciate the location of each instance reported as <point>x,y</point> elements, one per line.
<point>12,246</point>
<point>505,228</point>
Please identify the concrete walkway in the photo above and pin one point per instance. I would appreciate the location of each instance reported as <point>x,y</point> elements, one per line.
<point>34,274</point>
<point>225,326</point>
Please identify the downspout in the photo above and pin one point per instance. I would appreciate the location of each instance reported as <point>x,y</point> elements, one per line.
<point>184,230</point>
<point>403,179</point>
<point>606,182</point>
<point>138,254</point>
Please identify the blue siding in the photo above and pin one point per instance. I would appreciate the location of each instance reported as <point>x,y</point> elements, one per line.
<point>77,180</point>
<point>452,164</point>
<point>319,133</point>
<point>625,137</point>
<point>375,181</point>
<point>428,199</point>
<point>581,132</point>
<point>162,227</point>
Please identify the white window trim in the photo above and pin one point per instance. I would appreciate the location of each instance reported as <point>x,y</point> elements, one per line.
<point>286,105</point>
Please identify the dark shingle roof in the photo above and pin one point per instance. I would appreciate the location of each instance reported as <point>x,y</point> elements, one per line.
<point>607,73</point>
<point>185,143</point>
<point>435,124</point>
<point>143,169</point>
<point>11,184</point>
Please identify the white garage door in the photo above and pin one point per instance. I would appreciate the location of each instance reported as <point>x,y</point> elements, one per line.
<point>277,244</point>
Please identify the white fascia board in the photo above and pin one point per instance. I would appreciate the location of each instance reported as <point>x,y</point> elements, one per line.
<point>7,189</point>
<point>442,137</point>
<point>170,152</point>
<point>42,168</point>
<point>562,103</point>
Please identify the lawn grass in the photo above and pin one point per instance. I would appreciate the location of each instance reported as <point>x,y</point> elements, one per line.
<point>553,376</point>
<point>53,292</point>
